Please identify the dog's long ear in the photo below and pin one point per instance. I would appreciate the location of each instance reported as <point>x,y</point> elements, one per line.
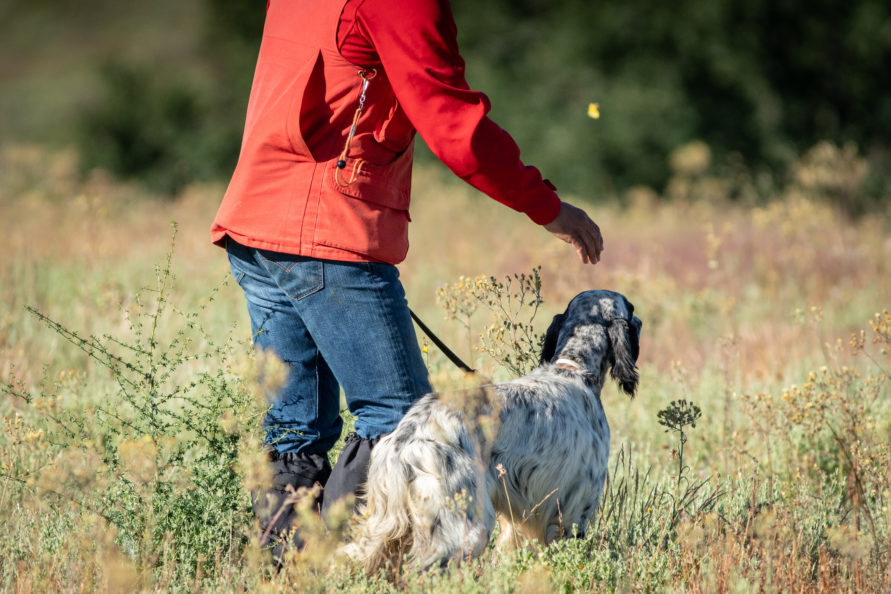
<point>550,340</point>
<point>625,340</point>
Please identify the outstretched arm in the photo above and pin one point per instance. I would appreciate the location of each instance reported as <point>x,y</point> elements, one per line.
<point>417,46</point>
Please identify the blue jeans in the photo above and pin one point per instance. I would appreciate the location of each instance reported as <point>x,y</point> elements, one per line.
<point>335,324</point>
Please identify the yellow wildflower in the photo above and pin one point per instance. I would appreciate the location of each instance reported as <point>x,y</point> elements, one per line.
<point>33,435</point>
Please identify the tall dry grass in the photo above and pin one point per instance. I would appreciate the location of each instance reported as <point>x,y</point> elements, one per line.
<point>769,316</point>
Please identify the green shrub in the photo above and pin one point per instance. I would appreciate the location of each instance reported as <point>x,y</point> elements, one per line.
<point>156,453</point>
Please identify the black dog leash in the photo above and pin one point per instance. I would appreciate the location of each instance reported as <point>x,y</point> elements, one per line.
<point>440,344</point>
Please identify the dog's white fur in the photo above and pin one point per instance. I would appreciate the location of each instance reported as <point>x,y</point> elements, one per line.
<point>436,482</point>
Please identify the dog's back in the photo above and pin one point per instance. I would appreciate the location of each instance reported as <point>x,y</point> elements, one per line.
<point>549,460</point>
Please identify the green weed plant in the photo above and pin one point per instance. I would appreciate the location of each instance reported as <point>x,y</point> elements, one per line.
<point>156,455</point>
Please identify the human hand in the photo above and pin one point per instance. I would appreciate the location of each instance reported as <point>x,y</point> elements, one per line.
<point>575,227</point>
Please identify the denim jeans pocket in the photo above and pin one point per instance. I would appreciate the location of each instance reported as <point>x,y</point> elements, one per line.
<point>298,276</point>
<point>236,263</point>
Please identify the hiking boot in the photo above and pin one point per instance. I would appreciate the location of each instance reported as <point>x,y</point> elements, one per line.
<point>276,516</point>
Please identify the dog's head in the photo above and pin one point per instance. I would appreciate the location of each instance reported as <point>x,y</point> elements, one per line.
<point>598,331</point>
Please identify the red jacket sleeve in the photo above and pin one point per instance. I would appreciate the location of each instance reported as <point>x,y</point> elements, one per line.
<point>416,41</point>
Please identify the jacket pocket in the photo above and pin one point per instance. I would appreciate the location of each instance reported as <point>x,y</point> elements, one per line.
<point>364,208</point>
<point>384,185</point>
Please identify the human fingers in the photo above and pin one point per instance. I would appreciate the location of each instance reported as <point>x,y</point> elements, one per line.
<point>581,250</point>
<point>597,239</point>
<point>586,247</point>
<point>591,239</point>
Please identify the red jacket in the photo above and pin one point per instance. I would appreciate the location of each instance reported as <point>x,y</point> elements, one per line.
<point>287,194</point>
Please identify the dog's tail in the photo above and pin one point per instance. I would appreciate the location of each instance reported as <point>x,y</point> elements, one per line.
<point>385,530</point>
<point>426,494</point>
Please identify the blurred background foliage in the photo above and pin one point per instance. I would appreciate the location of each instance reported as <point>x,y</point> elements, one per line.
<point>157,91</point>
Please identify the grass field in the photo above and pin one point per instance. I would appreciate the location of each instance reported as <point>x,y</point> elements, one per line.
<point>131,422</point>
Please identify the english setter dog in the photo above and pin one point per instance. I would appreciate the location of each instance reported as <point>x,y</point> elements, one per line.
<point>436,482</point>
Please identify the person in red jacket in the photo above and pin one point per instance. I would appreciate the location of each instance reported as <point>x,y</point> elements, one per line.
<point>316,217</point>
